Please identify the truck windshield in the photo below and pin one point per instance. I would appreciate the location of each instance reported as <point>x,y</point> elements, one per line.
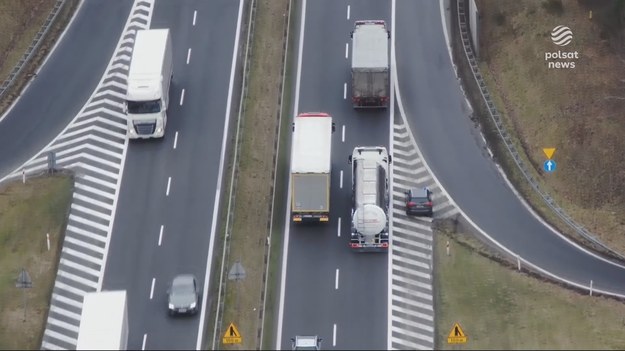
<point>137,107</point>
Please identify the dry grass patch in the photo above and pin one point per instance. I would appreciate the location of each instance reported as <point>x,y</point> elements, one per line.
<point>27,213</point>
<point>253,194</point>
<point>20,21</point>
<point>501,309</point>
<point>576,110</point>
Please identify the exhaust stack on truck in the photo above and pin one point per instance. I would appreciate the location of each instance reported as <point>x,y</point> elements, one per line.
<point>149,79</point>
<point>311,167</point>
<point>104,321</point>
<point>370,64</point>
<point>370,198</point>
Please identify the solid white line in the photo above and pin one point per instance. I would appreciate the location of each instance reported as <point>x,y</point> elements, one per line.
<point>82,256</point>
<point>99,182</point>
<point>152,288</point>
<point>63,311</point>
<point>348,8</point>
<point>63,325</point>
<point>194,16</point>
<point>389,344</point>
<point>287,224</point>
<point>336,280</point>
<point>168,186</point>
<point>343,134</point>
<point>222,157</point>
<point>346,50</point>
<point>80,267</point>
<point>341,181</point>
<point>188,55</point>
<point>79,242</point>
<point>59,336</point>
<point>344,91</point>
<point>339,228</point>
<point>73,277</point>
<point>175,140</point>
<point>182,97</point>
<point>334,335</point>
<point>444,23</point>
<point>160,235</point>
<point>145,336</point>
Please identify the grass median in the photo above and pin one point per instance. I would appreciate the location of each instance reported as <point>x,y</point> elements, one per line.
<point>499,308</point>
<point>282,182</point>
<point>20,21</point>
<point>576,110</point>
<point>27,213</point>
<point>255,176</point>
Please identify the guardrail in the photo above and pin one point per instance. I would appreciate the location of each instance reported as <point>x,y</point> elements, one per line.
<point>505,137</point>
<point>23,62</point>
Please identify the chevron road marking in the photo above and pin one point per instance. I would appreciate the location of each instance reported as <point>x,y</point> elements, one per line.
<point>411,290</point>
<point>93,145</point>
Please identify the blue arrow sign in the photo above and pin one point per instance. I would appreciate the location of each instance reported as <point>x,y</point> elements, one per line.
<point>549,166</point>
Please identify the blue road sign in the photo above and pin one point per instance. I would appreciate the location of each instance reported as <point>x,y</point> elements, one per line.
<point>549,166</point>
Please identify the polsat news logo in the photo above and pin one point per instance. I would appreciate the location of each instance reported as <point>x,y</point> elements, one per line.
<point>561,36</point>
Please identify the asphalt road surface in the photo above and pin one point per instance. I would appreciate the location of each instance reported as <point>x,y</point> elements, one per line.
<point>354,316</point>
<point>171,183</point>
<point>437,113</point>
<point>54,97</point>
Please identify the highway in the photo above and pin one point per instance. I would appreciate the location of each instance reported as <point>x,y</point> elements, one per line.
<point>52,99</point>
<point>329,290</point>
<point>451,144</point>
<point>165,214</point>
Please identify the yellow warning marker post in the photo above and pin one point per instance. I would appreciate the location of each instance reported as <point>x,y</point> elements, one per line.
<point>549,151</point>
<point>232,335</point>
<point>456,335</point>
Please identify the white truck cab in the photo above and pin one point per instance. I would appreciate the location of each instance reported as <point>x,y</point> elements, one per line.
<point>149,79</point>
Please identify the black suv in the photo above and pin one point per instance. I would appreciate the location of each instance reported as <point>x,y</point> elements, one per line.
<point>419,202</point>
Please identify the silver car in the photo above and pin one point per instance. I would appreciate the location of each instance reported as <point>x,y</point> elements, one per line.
<point>183,295</point>
<point>306,342</point>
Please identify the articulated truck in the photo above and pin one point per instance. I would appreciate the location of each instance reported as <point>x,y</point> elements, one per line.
<point>370,64</point>
<point>311,167</point>
<point>149,79</point>
<point>370,198</point>
<point>104,321</point>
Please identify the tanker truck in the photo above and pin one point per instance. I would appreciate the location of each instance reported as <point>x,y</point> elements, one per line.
<point>370,199</point>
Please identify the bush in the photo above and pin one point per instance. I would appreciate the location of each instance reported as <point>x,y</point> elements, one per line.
<point>553,7</point>
<point>500,18</point>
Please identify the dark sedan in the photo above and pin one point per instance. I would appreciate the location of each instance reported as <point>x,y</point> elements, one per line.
<point>419,202</point>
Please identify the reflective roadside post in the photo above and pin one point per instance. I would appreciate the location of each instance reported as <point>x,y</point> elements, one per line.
<point>24,282</point>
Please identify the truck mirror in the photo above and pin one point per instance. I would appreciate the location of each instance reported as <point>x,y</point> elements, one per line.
<point>388,33</point>
<point>349,159</point>
<point>333,127</point>
<point>351,34</point>
<point>293,126</point>
<point>390,159</point>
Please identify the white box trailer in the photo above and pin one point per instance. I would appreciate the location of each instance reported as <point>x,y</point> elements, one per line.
<point>104,321</point>
<point>311,165</point>
<point>370,198</point>
<point>370,64</point>
<point>149,79</point>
